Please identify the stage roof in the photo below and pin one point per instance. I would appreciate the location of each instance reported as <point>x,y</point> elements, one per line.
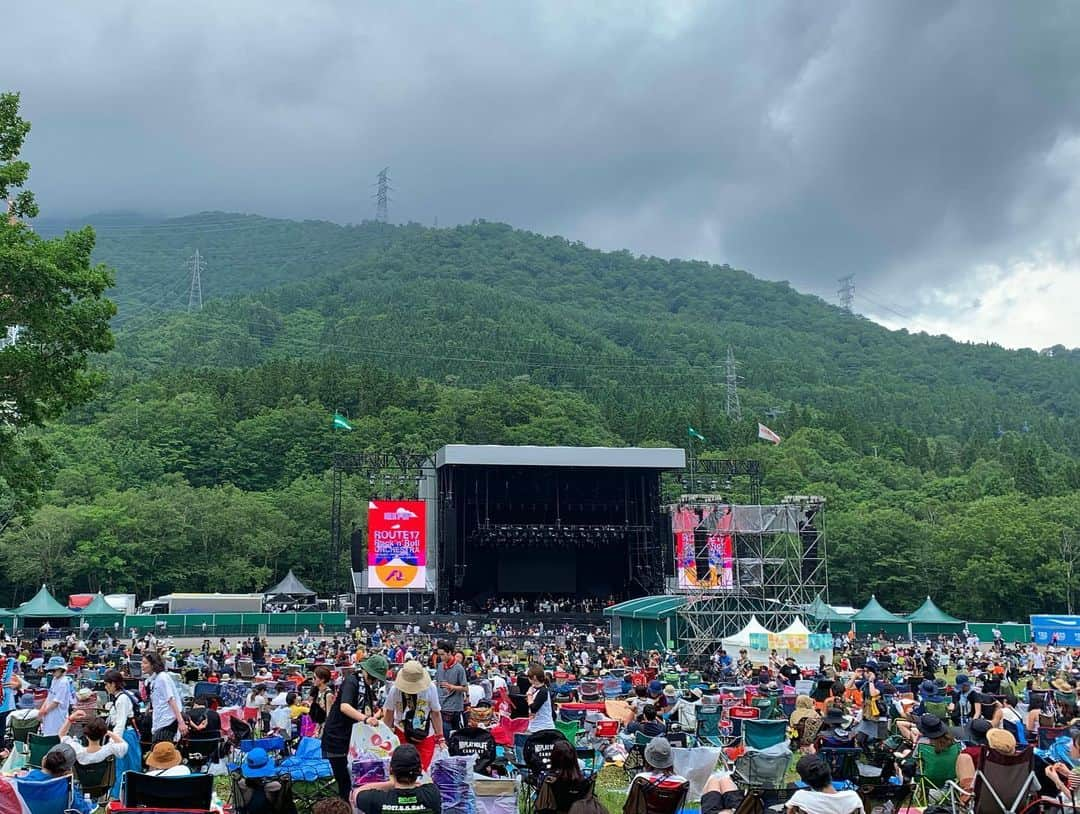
<point>582,457</point>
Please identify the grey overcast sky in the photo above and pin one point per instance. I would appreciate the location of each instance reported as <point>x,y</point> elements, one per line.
<point>932,149</point>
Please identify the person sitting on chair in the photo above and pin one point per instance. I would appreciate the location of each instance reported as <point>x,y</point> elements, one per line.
<point>563,782</point>
<point>401,794</point>
<point>650,725</point>
<point>165,760</point>
<point>258,784</point>
<point>820,797</point>
<point>58,762</point>
<point>101,742</point>
<point>721,795</point>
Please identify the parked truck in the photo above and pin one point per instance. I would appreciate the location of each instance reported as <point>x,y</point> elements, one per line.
<point>125,603</point>
<point>203,603</point>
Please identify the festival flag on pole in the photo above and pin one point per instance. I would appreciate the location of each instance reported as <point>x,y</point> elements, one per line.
<point>766,434</point>
<point>340,422</point>
<point>695,434</point>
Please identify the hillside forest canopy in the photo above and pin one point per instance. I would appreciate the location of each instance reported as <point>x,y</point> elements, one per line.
<point>201,461</point>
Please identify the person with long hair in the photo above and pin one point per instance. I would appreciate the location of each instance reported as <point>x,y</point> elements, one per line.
<point>121,721</point>
<point>563,783</point>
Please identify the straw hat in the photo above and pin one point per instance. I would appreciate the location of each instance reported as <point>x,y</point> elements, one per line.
<point>1001,740</point>
<point>163,756</point>
<point>1061,685</point>
<point>412,678</point>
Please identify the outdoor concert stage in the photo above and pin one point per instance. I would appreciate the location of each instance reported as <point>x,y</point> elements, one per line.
<point>522,521</point>
<point>452,530</point>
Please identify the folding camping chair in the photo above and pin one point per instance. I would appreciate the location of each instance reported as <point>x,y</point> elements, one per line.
<point>52,796</point>
<point>885,798</point>
<point>201,752</point>
<point>658,798</point>
<point>843,762</point>
<point>312,777</point>
<point>38,746</point>
<point>272,795</point>
<point>759,734</point>
<point>1049,734</point>
<point>192,791</point>
<point>96,779</point>
<point>634,761</point>
<point>1003,783</point>
<point>763,768</point>
<point>569,729</point>
<point>933,772</point>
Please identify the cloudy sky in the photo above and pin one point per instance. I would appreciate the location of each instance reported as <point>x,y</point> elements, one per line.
<point>930,149</point>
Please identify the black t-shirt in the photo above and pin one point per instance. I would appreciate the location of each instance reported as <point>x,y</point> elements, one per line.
<point>416,800</point>
<point>338,727</point>
<point>791,673</point>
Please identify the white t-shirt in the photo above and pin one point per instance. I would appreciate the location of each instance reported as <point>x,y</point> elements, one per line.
<point>819,802</point>
<point>108,749</point>
<point>161,690</point>
<point>62,691</point>
<point>122,711</point>
<point>476,694</point>
<point>426,703</point>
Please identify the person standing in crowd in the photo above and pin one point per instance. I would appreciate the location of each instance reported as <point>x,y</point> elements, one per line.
<point>375,669</point>
<point>413,710</point>
<point>322,696</point>
<point>121,721</point>
<point>167,716</point>
<point>538,698</point>
<point>453,685</point>
<point>342,713</point>
<point>61,697</point>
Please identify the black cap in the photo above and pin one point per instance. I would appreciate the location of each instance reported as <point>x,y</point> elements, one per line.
<point>405,760</point>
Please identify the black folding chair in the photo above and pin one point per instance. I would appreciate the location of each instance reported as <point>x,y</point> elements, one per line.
<point>193,791</point>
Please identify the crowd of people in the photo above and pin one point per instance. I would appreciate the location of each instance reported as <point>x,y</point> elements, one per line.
<point>900,705</point>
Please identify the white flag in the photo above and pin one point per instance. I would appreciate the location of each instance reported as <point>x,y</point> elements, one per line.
<point>766,434</point>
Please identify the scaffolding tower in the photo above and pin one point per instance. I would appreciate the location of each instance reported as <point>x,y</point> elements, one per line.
<point>779,569</point>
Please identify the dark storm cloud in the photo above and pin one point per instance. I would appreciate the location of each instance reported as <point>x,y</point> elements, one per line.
<point>904,142</point>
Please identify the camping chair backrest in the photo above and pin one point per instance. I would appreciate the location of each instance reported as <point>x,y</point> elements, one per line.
<point>212,689</point>
<point>1003,783</point>
<point>763,768</point>
<point>1049,734</point>
<point>938,767</point>
<point>536,751</point>
<point>198,752</point>
<point>569,729</point>
<point>758,734</point>
<point>471,741</point>
<point>96,779</point>
<point>52,796</point>
<point>649,797</point>
<point>193,791</point>
<point>578,715</point>
<point>938,708</point>
<point>21,727</point>
<point>272,795</point>
<point>843,762</point>
<point>884,798</point>
<point>38,746</point>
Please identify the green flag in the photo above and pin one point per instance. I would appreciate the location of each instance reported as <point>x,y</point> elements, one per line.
<point>695,434</point>
<point>340,423</point>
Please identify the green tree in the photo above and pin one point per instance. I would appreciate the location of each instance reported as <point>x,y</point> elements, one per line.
<point>51,294</point>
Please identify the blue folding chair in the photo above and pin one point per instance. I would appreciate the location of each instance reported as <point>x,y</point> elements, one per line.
<point>51,796</point>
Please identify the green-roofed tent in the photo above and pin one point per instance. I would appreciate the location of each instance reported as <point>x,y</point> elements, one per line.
<point>43,606</point>
<point>6,614</point>
<point>824,616</point>
<point>99,612</point>
<point>873,618</point>
<point>648,623</point>
<point>929,618</point>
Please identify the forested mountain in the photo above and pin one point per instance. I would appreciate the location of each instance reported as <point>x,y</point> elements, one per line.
<point>944,464</point>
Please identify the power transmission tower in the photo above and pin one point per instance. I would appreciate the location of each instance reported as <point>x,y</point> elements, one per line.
<point>382,195</point>
<point>846,293</point>
<point>197,266</point>
<point>731,381</point>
